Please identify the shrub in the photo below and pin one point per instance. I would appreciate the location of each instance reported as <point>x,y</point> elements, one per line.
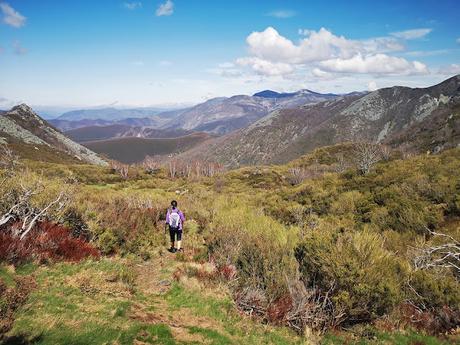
<point>11,298</point>
<point>432,290</point>
<point>107,242</point>
<point>363,278</point>
<point>405,210</point>
<point>47,241</point>
<point>255,244</point>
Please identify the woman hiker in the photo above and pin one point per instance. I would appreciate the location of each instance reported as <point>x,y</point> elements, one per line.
<point>175,221</point>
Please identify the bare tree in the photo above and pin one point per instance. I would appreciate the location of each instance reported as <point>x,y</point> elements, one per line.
<point>407,151</point>
<point>33,216</point>
<point>385,152</point>
<point>151,164</point>
<point>446,255</point>
<point>120,168</point>
<point>188,168</point>
<point>341,164</point>
<point>27,211</point>
<point>297,175</point>
<point>172,168</point>
<point>366,156</point>
<point>124,171</point>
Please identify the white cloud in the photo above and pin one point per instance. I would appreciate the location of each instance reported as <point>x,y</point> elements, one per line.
<point>18,49</point>
<point>412,34</point>
<point>132,5</point>
<point>264,67</point>
<point>320,74</point>
<point>458,40</point>
<point>138,63</point>
<point>282,14</point>
<point>450,70</point>
<point>419,53</point>
<point>165,9</point>
<point>376,44</point>
<point>323,52</point>
<point>11,16</point>
<point>375,64</point>
<point>372,86</point>
<point>381,45</point>
<point>317,46</point>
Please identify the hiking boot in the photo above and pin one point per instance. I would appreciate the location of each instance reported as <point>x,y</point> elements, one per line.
<point>172,250</point>
<point>180,250</point>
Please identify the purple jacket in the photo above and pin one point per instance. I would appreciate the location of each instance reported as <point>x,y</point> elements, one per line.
<point>181,215</point>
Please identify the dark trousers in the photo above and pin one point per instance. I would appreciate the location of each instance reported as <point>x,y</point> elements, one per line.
<point>175,234</point>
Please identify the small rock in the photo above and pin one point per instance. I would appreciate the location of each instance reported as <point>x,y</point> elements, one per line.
<point>164,282</point>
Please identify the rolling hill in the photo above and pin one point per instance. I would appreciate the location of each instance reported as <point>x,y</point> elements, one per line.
<point>93,133</point>
<point>109,114</point>
<point>134,150</point>
<point>422,118</point>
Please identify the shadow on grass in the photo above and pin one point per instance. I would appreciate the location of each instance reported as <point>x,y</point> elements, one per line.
<point>19,340</point>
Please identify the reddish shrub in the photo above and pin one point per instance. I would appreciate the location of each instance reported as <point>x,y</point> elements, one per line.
<point>228,272</point>
<point>48,241</point>
<point>278,310</point>
<point>436,321</point>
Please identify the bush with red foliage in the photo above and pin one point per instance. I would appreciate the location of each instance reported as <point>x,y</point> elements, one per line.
<point>228,272</point>
<point>47,241</point>
<point>277,311</point>
<point>435,321</point>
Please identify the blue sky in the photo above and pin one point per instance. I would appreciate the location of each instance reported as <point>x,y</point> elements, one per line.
<point>166,52</point>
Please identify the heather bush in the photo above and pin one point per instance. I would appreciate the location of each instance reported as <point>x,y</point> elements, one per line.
<point>46,242</point>
<point>363,278</point>
<point>433,289</point>
<point>405,210</point>
<point>259,247</point>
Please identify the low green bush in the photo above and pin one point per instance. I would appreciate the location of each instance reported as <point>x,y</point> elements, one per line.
<point>362,277</point>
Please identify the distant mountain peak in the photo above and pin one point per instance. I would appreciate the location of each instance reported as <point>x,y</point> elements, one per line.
<point>25,113</point>
<point>22,107</point>
<point>272,94</point>
<point>23,110</point>
<point>303,92</point>
<point>22,125</point>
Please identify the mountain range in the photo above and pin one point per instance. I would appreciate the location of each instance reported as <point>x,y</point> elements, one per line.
<point>216,116</point>
<point>422,118</point>
<point>266,128</point>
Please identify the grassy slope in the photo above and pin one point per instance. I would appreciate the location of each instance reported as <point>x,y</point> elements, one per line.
<point>105,302</point>
<point>114,301</point>
<point>40,153</point>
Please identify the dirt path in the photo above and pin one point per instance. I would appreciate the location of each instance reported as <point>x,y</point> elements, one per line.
<point>154,280</point>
